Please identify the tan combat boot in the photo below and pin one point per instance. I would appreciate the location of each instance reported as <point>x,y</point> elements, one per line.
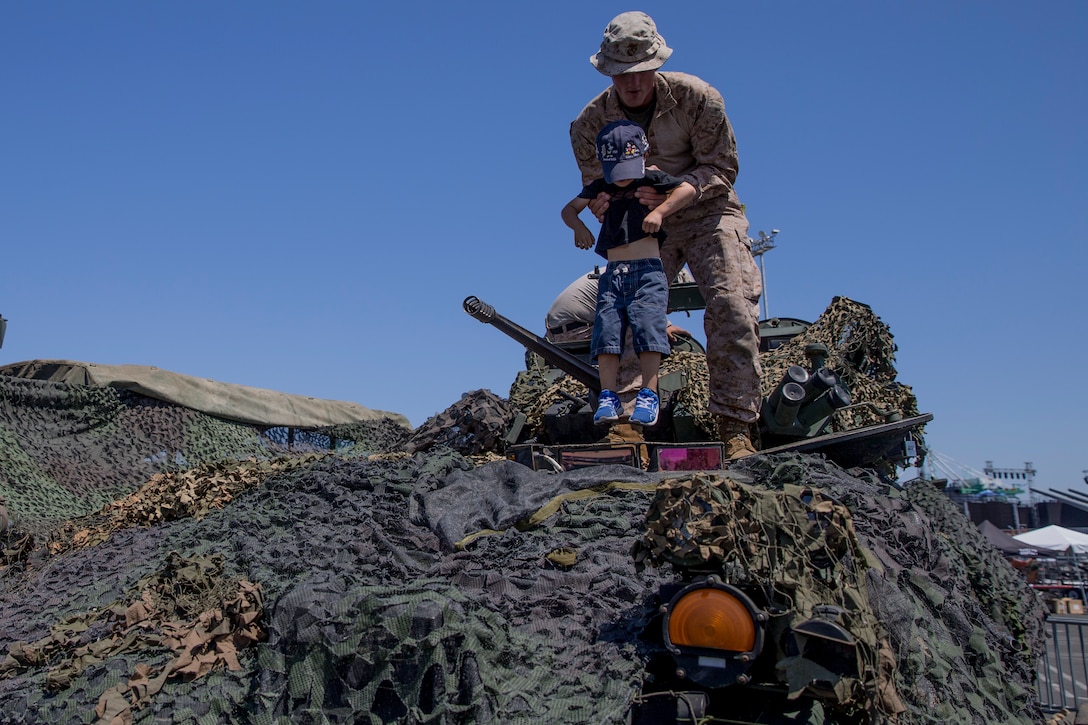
<point>736,435</point>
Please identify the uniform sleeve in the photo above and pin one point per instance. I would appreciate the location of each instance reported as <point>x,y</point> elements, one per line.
<point>713,144</point>
<point>585,151</point>
<point>583,138</point>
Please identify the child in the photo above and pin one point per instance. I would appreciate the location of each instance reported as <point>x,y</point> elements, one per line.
<point>633,290</point>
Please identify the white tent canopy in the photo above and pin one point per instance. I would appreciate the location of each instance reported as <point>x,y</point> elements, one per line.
<point>1057,538</point>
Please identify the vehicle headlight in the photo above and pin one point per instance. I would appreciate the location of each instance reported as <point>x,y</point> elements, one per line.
<point>714,632</point>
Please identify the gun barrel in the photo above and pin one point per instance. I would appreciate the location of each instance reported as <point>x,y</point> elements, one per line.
<point>565,361</point>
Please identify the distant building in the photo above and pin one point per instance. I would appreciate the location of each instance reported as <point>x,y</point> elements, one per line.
<point>994,497</point>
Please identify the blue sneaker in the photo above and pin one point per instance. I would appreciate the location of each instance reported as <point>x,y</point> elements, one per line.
<point>608,408</point>
<point>646,407</point>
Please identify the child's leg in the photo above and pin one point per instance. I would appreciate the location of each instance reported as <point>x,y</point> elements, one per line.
<point>609,407</point>
<point>650,363</point>
<point>647,404</point>
<point>608,366</point>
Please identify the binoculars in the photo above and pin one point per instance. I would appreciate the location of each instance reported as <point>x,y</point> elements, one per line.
<point>802,403</point>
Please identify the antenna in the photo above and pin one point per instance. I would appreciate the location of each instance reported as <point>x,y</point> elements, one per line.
<point>759,246</point>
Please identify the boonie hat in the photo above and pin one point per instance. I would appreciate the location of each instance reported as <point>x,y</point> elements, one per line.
<point>621,149</point>
<point>631,45</point>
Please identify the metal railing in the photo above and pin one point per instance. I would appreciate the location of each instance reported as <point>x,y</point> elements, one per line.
<point>1062,677</point>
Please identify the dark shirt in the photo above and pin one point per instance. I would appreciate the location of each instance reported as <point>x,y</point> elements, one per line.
<point>622,222</point>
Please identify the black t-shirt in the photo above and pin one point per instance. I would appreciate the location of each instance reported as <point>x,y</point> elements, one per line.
<point>623,221</point>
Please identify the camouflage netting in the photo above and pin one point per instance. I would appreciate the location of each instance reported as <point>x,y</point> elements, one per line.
<point>963,627</point>
<point>163,565</point>
<point>66,450</point>
<point>474,425</point>
<point>861,352</point>
<point>534,392</point>
<point>723,525</point>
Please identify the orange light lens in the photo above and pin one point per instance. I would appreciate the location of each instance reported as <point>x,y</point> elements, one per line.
<point>714,619</point>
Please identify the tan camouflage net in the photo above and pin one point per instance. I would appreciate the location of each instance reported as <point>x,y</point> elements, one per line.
<point>692,399</point>
<point>172,496</point>
<point>861,352</point>
<point>536,394</point>
<point>964,629</point>
<point>188,608</point>
<point>533,393</point>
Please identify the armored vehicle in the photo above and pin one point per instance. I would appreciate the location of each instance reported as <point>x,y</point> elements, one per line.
<point>815,382</point>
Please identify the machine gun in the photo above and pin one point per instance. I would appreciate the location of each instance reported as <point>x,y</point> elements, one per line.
<point>569,363</point>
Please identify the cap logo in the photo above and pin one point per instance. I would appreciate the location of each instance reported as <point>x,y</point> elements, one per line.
<point>608,151</point>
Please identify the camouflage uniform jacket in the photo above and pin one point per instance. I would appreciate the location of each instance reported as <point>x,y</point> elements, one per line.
<point>690,137</point>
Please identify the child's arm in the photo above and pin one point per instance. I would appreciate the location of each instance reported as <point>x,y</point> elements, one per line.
<point>677,199</point>
<point>583,238</point>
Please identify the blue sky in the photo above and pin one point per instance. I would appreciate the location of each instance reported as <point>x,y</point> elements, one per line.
<point>298,196</point>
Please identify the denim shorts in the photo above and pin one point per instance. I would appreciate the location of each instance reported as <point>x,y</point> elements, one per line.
<point>632,294</point>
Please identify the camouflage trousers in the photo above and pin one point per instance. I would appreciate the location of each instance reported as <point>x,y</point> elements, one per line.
<point>716,251</point>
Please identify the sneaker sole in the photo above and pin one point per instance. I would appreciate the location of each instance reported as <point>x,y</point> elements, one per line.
<point>645,425</point>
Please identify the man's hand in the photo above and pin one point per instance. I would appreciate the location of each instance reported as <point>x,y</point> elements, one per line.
<point>599,205</point>
<point>675,333</point>
<point>649,197</point>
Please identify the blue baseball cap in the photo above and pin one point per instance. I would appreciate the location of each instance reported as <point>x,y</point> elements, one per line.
<point>621,149</point>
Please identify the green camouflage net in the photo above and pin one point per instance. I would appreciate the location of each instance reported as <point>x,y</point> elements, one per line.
<point>67,450</point>
<point>74,448</point>
<point>475,424</point>
<point>371,619</point>
<point>954,612</point>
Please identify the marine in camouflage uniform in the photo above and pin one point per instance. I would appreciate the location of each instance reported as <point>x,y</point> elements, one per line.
<point>690,137</point>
